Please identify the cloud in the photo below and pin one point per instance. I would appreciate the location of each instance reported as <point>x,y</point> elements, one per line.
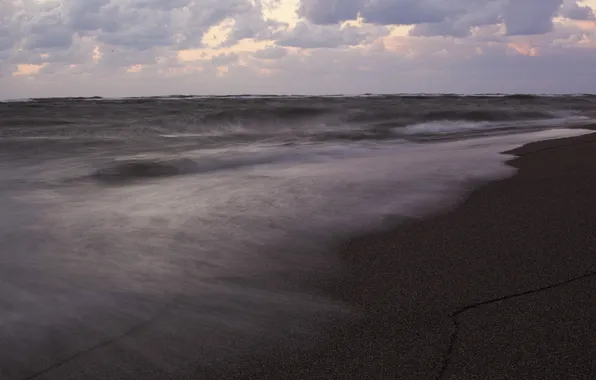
<point>86,16</point>
<point>8,35</point>
<point>440,29</point>
<point>572,10</point>
<point>449,18</point>
<point>477,14</point>
<point>253,26</point>
<point>407,12</point>
<point>309,36</point>
<point>463,69</point>
<point>271,52</point>
<point>385,12</point>
<point>224,59</point>
<point>48,32</point>
<point>330,11</point>
<point>530,17</point>
<point>201,15</point>
<point>135,24</point>
<point>131,46</point>
<point>158,4</point>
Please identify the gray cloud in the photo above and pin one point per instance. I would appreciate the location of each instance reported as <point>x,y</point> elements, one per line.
<point>224,59</point>
<point>159,4</point>
<point>86,16</point>
<point>132,24</point>
<point>530,17</point>
<point>252,25</point>
<point>406,12</point>
<point>8,25</point>
<point>272,52</point>
<point>63,34</point>
<point>121,58</point>
<point>122,24</point>
<point>447,17</point>
<point>330,11</point>
<point>572,10</point>
<point>480,13</point>
<point>353,71</point>
<point>7,38</point>
<point>203,14</point>
<point>140,30</point>
<point>306,35</point>
<point>385,12</point>
<point>46,30</point>
<point>444,28</point>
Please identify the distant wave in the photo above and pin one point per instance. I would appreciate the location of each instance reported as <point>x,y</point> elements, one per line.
<point>205,122</point>
<point>521,96</point>
<point>300,96</point>
<point>388,117</point>
<point>264,114</point>
<point>74,98</point>
<point>487,115</point>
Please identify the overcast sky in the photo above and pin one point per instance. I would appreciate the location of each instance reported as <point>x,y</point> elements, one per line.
<point>157,47</point>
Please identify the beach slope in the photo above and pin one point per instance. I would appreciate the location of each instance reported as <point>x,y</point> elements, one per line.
<point>502,286</point>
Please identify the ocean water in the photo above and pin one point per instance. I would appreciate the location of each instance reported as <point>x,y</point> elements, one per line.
<point>198,227</point>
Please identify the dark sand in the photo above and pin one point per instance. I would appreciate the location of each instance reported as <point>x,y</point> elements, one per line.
<point>530,232</point>
<point>501,287</point>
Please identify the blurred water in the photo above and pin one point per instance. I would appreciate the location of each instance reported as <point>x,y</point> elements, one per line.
<point>161,257</point>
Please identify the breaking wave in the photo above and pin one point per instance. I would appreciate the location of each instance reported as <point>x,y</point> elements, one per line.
<point>487,115</point>
<point>463,129</point>
<point>207,122</point>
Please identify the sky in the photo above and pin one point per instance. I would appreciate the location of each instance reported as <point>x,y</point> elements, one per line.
<point>161,47</point>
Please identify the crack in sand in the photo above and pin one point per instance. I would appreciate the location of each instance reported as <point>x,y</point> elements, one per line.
<point>457,313</point>
<point>99,345</point>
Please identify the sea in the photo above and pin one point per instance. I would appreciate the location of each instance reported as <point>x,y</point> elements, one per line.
<point>149,236</point>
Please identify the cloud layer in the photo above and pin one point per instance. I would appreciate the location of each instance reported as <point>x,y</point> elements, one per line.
<point>112,47</point>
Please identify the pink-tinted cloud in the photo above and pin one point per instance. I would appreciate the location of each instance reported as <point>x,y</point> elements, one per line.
<point>126,47</point>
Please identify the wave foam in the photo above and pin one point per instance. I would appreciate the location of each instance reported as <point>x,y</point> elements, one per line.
<point>445,127</point>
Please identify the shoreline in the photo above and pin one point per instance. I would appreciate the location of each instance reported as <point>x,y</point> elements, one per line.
<point>498,286</point>
<point>507,238</point>
<point>486,289</point>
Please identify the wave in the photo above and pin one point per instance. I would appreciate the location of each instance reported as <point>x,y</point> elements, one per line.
<point>123,170</point>
<point>73,98</point>
<point>267,114</point>
<point>434,128</point>
<point>443,127</point>
<point>29,122</point>
<point>522,96</point>
<point>207,122</point>
<point>128,170</point>
<point>487,115</point>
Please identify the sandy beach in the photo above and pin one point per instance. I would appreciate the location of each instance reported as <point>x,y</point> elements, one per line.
<point>500,287</point>
<point>297,189</point>
<point>431,284</point>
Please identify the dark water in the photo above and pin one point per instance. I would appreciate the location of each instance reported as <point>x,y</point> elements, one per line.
<point>151,237</point>
<point>228,120</point>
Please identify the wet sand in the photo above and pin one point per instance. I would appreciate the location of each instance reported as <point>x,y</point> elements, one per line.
<point>502,286</point>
